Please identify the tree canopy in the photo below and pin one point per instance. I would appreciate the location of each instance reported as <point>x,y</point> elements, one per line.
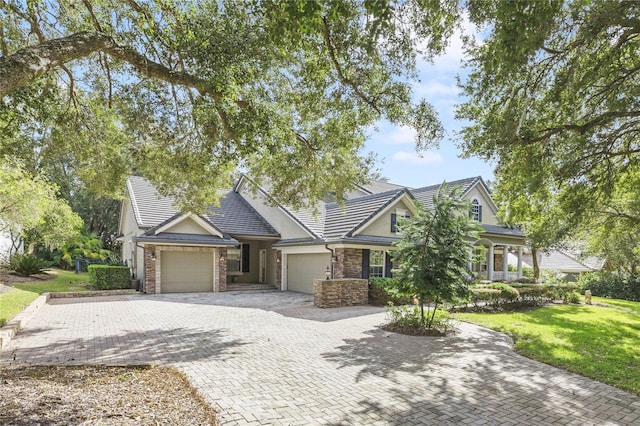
<point>553,98</point>
<point>185,93</point>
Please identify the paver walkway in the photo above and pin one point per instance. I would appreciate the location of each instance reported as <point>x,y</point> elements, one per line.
<point>272,358</point>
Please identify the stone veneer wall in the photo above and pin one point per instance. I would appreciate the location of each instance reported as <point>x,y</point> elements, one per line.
<point>340,292</point>
<point>348,263</point>
<point>149,270</point>
<point>279,269</point>
<point>222,269</point>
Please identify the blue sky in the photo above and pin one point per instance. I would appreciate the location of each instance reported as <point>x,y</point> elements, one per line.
<point>395,146</point>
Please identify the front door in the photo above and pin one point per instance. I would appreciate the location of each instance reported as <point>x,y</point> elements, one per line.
<point>262,277</point>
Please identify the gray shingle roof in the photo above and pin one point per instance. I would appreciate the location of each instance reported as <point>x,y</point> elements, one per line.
<point>425,194</point>
<point>234,215</point>
<point>378,186</point>
<point>191,238</point>
<point>342,221</point>
<point>502,230</point>
<point>557,260</point>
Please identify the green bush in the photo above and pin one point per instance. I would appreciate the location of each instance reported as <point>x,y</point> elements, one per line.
<point>407,320</point>
<point>26,265</point>
<point>611,285</point>
<point>382,291</point>
<point>105,277</point>
<point>573,297</point>
<point>507,292</point>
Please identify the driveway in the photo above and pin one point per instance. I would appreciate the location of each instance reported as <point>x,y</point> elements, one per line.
<point>273,358</point>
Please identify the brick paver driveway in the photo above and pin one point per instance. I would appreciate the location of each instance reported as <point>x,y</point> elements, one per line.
<point>272,358</point>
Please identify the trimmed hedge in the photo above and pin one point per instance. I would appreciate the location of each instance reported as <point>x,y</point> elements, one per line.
<point>521,293</point>
<point>381,292</point>
<point>105,277</point>
<point>614,286</point>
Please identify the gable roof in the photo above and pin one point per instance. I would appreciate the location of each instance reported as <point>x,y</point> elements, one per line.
<point>559,260</point>
<point>233,216</point>
<point>425,194</point>
<point>342,221</point>
<point>378,186</point>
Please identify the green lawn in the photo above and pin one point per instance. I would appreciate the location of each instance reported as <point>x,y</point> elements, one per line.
<point>601,342</point>
<point>15,300</point>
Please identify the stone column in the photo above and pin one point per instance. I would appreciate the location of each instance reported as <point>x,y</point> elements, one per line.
<point>519,262</point>
<point>279,269</point>
<point>490,263</point>
<point>222,269</point>
<point>505,263</point>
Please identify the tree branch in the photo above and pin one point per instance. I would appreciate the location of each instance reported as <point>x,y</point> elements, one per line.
<point>29,63</point>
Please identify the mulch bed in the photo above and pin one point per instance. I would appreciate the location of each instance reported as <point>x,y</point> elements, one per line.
<point>89,395</point>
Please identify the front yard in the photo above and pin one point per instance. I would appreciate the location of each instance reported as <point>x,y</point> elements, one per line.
<point>599,341</point>
<point>15,299</point>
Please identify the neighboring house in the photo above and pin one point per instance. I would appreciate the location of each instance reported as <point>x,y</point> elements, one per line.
<point>570,264</point>
<point>249,240</point>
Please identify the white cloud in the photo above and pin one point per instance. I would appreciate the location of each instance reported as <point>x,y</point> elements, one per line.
<point>435,89</point>
<point>451,60</point>
<point>414,158</point>
<point>401,135</point>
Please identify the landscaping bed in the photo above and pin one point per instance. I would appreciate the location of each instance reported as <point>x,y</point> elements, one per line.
<point>62,395</point>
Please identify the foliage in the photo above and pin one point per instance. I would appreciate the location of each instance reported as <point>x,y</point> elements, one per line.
<point>28,265</point>
<point>409,320</point>
<point>384,290</point>
<point>553,99</point>
<point>209,86</point>
<point>434,251</point>
<point>599,342</point>
<point>616,286</point>
<point>106,277</point>
<point>84,246</point>
<point>29,205</point>
<point>513,296</point>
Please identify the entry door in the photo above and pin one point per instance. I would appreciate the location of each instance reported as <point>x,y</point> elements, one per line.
<point>262,278</point>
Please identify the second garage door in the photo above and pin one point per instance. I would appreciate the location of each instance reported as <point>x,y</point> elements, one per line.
<point>302,269</point>
<point>185,272</point>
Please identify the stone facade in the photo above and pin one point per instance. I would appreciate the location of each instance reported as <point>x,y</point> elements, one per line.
<point>279,269</point>
<point>340,292</point>
<point>149,269</point>
<point>222,269</point>
<point>348,263</point>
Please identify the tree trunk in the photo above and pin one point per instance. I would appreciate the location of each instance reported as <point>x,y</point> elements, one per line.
<point>536,267</point>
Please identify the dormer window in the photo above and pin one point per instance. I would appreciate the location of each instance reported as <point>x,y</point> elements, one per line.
<point>476,210</point>
<point>394,219</point>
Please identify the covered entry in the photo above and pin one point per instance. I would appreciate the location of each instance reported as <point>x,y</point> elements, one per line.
<point>302,269</point>
<point>186,271</point>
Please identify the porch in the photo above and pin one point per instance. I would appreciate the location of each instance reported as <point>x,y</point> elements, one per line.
<point>490,261</point>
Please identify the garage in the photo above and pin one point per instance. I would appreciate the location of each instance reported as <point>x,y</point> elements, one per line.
<point>186,272</point>
<point>302,269</point>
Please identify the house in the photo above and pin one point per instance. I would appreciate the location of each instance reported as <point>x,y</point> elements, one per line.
<point>250,241</point>
<point>10,245</point>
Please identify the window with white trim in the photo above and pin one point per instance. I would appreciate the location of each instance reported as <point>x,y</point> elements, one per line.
<point>376,263</point>
<point>476,210</point>
<point>234,258</point>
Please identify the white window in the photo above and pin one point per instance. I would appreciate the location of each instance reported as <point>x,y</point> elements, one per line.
<point>476,210</point>
<point>234,258</point>
<point>376,263</point>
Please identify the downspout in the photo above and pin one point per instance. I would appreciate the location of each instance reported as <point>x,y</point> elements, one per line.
<point>332,257</point>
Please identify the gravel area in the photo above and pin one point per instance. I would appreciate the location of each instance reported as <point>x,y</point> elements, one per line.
<point>89,395</point>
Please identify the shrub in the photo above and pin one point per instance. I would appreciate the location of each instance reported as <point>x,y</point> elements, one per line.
<point>507,292</point>
<point>573,297</point>
<point>105,277</point>
<point>382,291</point>
<point>26,265</point>
<point>407,320</point>
<point>615,286</point>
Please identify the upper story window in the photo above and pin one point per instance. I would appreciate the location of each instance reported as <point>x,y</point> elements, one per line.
<point>394,219</point>
<point>476,210</point>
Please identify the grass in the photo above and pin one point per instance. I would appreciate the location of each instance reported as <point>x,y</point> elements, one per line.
<point>18,298</point>
<point>598,341</point>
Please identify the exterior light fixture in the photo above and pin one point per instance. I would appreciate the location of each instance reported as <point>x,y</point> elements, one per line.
<point>153,255</point>
<point>221,257</point>
<point>327,273</point>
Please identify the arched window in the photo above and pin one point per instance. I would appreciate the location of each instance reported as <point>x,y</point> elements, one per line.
<point>476,210</point>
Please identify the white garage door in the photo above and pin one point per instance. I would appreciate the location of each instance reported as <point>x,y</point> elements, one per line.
<point>184,272</point>
<point>302,269</point>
